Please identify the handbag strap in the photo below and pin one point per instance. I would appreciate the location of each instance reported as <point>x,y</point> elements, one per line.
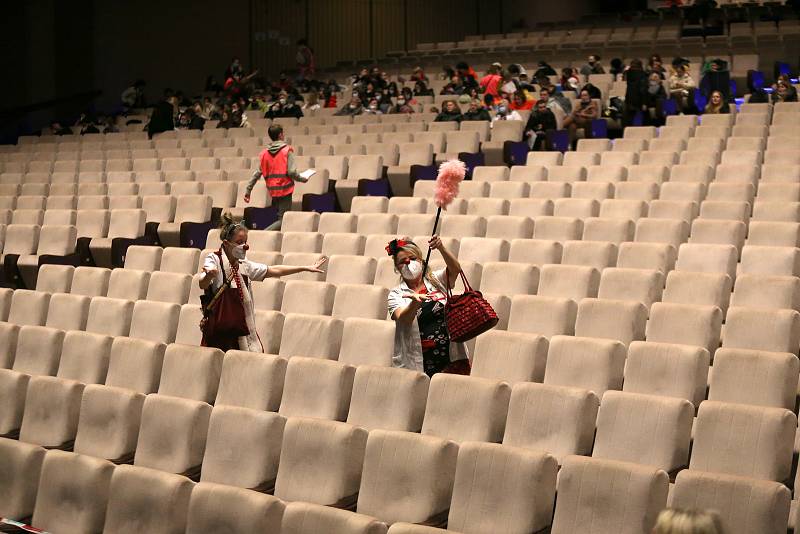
<point>467,287</point>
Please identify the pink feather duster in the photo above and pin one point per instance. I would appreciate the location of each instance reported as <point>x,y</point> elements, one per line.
<point>451,173</point>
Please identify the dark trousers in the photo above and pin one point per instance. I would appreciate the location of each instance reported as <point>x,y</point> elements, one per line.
<point>282,204</point>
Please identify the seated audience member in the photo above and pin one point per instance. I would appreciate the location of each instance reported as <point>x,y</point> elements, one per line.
<point>656,65</point>
<point>525,83</point>
<point>717,105</point>
<point>56,128</point>
<point>541,121</point>
<point>568,74</point>
<point>162,118</point>
<point>476,112</point>
<point>521,102</point>
<point>582,116</point>
<point>225,120</point>
<point>210,111</point>
<point>133,96</point>
<point>312,103</point>
<point>455,87</point>
<point>284,107</point>
<point>420,89</point>
<point>418,75</point>
<point>675,521</point>
<point>193,119</point>
<point>592,66</point>
<point>373,108</point>
<point>682,86</point>
<point>467,74</point>
<point>543,72</point>
<point>716,77</point>
<point>550,103</point>
<point>616,67</point>
<point>491,82</point>
<point>354,107</point>
<point>654,99</point>
<point>504,113</point>
<point>757,93</point>
<point>784,91</point>
<point>450,112</point>
<point>594,91</point>
<point>402,105</point>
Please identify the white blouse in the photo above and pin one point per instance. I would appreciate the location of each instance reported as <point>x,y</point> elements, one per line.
<point>407,342</point>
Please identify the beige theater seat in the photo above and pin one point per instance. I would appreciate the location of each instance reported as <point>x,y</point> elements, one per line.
<point>169,287</point>
<point>407,477</point>
<point>191,372</point>
<point>311,336</point>
<point>619,320</point>
<point>55,278</point>
<point>251,380</point>
<point>128,284</point>
<point>637,285</point>
<point>754,377</point>
<point>307,518</point>
<point>22,464</point>
<point>685,324</point>
<point>360,301</point>
<point>255,436</point>
<point>770,260</point>
<point>53,241</point>
<point>761,329</point>
<point>108,426</point>
<point>135,364</point>
<point>124,223</point>
<point>367,342</point>
<point>703,289</point>
<point>189,208</point>
<point>52,406</point>
<point>588,363</point>
<point>28,308</point>
<point>764,291</point>
<point>172,436</point>
<point>313,298</point>
<point>67,312</point>
<point>669,370</point>
<point>146,500</point>
<point>91,281</point>
<point>764,438</point>
<point>218,508</point>
<point>84,357</point>
<point>85,479</point>
<point>743,504</point>
<point>318,388</point>
<point>603,496</point>
<point>450,395</point>
<point>388,399</point>
<point>321,462</point>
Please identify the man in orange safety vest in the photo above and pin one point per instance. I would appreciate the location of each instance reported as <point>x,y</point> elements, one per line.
<point>279,171</point>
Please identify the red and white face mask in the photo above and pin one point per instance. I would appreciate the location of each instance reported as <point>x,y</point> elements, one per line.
<point>239,251</point>
<point>411,270</point>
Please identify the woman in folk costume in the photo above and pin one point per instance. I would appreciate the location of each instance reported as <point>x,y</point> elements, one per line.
<point>417,305</point>
<point>229,267</point>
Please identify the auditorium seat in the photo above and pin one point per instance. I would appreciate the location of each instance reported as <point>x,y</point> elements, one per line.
<point>599,496</point>
<point>215,507</point>
<point>54,279</point>
<point>124,223</point>
<point>189,208</point>
<point>53,241</point>
<point>128,284</point>
<point>589,363</point>
<point>135,364</point>
<point>639,285</point>
<point>306,518</point>
<point>644,429</point>
<point>754,377</point>
<point>450,395</point>
<point>84,357</point>
<point>318,388</point>
<point>169,287</point>
<point>90,281</point>
<point>673,370</point>
<point>509,278</point>
<point>767,260</point>
<point>667,231</point>
<point>67,312</point>
<point>267,294</point>
<point>619,320</point>
<point>769,233</point>
<point>763,437</point>
<point>407,477</point>
<point>191,372</point>
<point>685,324</point>
<point>28,308</point>
<point>388,399</point>
<point>608,229</point>
<point>179,260</point>
<point>708,258</point>
<point>310,336</point>
<point>764,291</point>
<point>256,438</point>
<point>743,504</point>
<point>509,226</point>
<point>321,462</point>
<point>616,208</point>
<point>251,381</point>
<point>367,342</point>
<point>510,356</point>
<point>172,436</point>
<point>146,500</point>
<point>314,298</point>
<point>22,464</point>
<point>545,316</point>
<point>343,269</point>
<point>108,426</point>
<point>704,289</point>
<point>762,329</point>
<point>86,480</point>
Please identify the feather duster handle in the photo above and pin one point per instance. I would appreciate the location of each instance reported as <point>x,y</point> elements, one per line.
<point>451,173</point>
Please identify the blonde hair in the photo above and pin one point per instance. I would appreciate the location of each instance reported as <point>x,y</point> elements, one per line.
<point>229,225</point>
<point>676,521</point>
<point>416,252</point>
<point>710,107</point>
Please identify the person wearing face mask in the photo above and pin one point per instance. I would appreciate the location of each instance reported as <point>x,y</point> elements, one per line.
<point>354,107</point>
<point>228,270</point>
<point>503,112</point>
<point>373,108</point>
<point>417,305</point>
<point>477,112</point>
<point>654,99</point>
<point>402,105</point>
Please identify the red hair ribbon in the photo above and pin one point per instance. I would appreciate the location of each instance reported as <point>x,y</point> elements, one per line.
<point>394,246</point>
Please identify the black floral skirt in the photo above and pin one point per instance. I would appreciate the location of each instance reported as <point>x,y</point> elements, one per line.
<point>434,338</point>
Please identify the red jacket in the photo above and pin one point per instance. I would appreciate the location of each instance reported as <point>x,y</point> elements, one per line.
<point>275,170</point>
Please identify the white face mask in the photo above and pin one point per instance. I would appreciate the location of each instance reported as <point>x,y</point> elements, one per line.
<point>239,251</point>
<point>411,270</point>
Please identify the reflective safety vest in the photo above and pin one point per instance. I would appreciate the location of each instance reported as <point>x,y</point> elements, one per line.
<point>275,171</point>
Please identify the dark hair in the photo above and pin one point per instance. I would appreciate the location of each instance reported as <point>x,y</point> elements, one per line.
<point>275,131</point>
<point>636,64</point>
<point>461,65</point>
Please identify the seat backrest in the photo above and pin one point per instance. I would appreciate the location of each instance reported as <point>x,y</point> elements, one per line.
<point>317,388</point>
<point>263,372</point>
<point>21,239</point>
<point>764,438</point>
<point>135,364</point>
<point>169,287</point>
<point>597,496</point>
<point>128,223</point>
<point>108,426</point>
<point>215,507</point>
<point>365,167</point>
<point>191,372</point>
<point>320,461</point>
<point>402,463</point>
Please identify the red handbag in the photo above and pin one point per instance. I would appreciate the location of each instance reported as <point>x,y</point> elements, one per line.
<point>468,315</point>
<point>224,312</point>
